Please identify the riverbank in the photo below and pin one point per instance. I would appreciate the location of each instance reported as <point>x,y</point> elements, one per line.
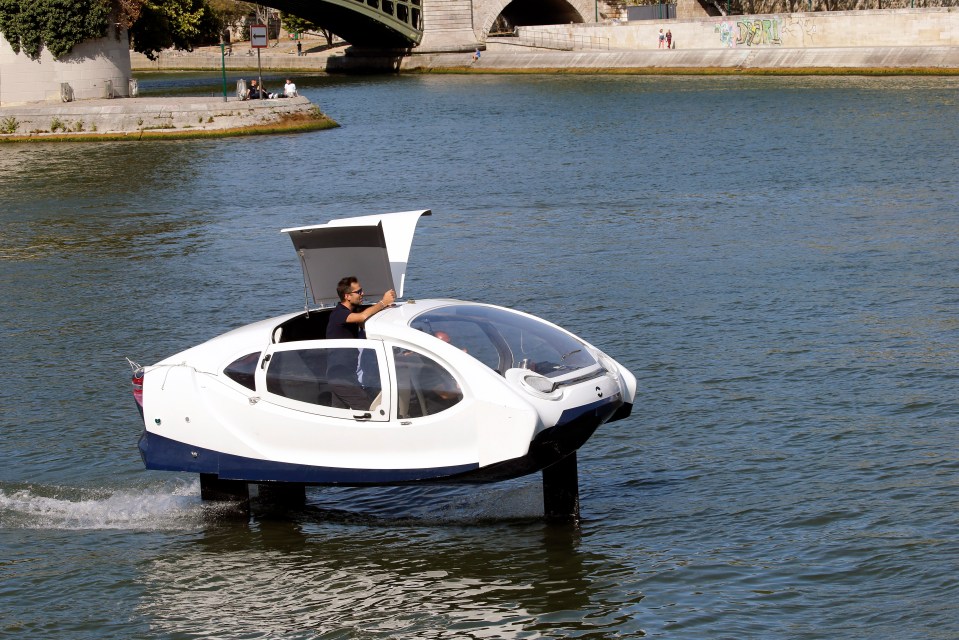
<point>824,61</point>
<point>502,57</point>
<point>866,42</point>
<point>158,118</point>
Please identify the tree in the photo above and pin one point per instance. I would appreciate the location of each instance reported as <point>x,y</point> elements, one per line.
<point>229,12</point>
<point>127,12</point>
<point>58,25</point>
<point>296,24</point>
<point>180,24</point>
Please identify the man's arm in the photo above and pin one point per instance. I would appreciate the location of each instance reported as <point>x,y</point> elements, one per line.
<point>372,310</point>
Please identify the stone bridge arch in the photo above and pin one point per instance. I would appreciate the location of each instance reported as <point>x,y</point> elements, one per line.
<point>530,12</point>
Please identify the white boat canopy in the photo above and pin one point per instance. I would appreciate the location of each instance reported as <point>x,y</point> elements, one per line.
<point>375,249</point>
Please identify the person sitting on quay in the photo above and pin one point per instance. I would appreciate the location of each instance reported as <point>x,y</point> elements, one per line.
<point>256,92</point>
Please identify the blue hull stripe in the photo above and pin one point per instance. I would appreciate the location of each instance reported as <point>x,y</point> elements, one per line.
<point>165,454</point>
<point>601,408</point>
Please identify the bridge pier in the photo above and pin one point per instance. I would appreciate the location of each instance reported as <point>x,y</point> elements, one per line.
<point>447,27</point>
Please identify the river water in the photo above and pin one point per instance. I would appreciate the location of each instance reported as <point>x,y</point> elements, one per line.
<point>774,258</point>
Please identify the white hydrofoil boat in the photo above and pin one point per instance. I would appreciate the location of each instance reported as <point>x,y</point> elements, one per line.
<point>454,392</point>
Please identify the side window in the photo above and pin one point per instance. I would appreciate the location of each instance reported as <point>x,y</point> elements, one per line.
<point>243,370</point>
<point>345,378</point>
<point>424,386</point>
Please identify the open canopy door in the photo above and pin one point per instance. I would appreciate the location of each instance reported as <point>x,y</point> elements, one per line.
<point>375,249</point>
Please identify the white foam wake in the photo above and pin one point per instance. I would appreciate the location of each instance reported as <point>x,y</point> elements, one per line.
<point>151,508</point>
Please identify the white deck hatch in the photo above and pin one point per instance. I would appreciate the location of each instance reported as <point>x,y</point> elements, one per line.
<point>375,249</point>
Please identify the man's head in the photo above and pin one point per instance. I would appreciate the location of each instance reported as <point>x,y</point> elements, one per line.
<point>349,290</point>
<point>442,335</point>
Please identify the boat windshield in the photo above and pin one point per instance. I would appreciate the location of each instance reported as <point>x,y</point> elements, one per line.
<point>504,339</point>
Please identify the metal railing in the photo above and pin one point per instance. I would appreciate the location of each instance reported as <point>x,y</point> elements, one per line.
<point>560,41</point>
<point>753,7</point>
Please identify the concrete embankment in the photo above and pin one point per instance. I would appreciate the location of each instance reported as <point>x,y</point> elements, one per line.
<point>894,41</point>
<point>176,117</point>
<point>501,57</point>
<point>209,59</point>
<point>786,61</point>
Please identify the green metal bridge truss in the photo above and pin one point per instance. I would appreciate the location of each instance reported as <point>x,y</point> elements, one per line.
<point>376,24</point>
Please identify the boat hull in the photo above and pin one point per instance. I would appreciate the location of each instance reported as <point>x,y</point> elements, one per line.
<point>549,446</point>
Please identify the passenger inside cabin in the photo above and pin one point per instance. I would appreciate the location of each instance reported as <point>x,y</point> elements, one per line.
<point>350,390</point>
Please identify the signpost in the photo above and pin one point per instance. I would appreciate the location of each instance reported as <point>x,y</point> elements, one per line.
<point>223,65</point>
<point>258,40</point>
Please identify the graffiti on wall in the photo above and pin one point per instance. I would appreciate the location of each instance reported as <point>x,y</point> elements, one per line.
<point>750,32</point>
<point>725,31</point>
<point>800,28</point>
<point>757,32</point>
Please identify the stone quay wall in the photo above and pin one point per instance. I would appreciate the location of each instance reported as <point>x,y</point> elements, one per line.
<point>869,40</point>
<point>94,69</point>
<point>134,118</point>
<point>212,60</point>
<point>935,27</point>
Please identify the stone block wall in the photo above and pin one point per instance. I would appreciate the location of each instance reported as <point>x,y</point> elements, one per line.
<point>879,28</point>
<point>92,70</point>
<point>447,26</point>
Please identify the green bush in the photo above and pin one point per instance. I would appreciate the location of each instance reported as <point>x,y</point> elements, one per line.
<point>9,125</point>
<point>58,25</point>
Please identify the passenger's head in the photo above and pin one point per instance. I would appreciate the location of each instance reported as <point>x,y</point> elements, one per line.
<point>346,286</point>
<point>442,335</point>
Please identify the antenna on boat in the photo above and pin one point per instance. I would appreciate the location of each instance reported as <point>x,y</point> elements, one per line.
<point>306,281</point>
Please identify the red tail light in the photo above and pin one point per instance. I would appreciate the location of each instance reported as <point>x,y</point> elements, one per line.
<point>138,387</point>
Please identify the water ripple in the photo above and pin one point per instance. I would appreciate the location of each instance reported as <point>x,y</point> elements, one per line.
<point>783,286</point>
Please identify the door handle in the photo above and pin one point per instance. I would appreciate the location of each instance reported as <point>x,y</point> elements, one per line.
<point>362,416</point>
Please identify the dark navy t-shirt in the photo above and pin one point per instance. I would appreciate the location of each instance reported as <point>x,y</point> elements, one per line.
<point>339,329</point>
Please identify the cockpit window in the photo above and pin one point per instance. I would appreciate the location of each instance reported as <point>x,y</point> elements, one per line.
<point>346,378</point>
<point>243,370</point>
<point>503,339</point>
<point>423,386</point>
